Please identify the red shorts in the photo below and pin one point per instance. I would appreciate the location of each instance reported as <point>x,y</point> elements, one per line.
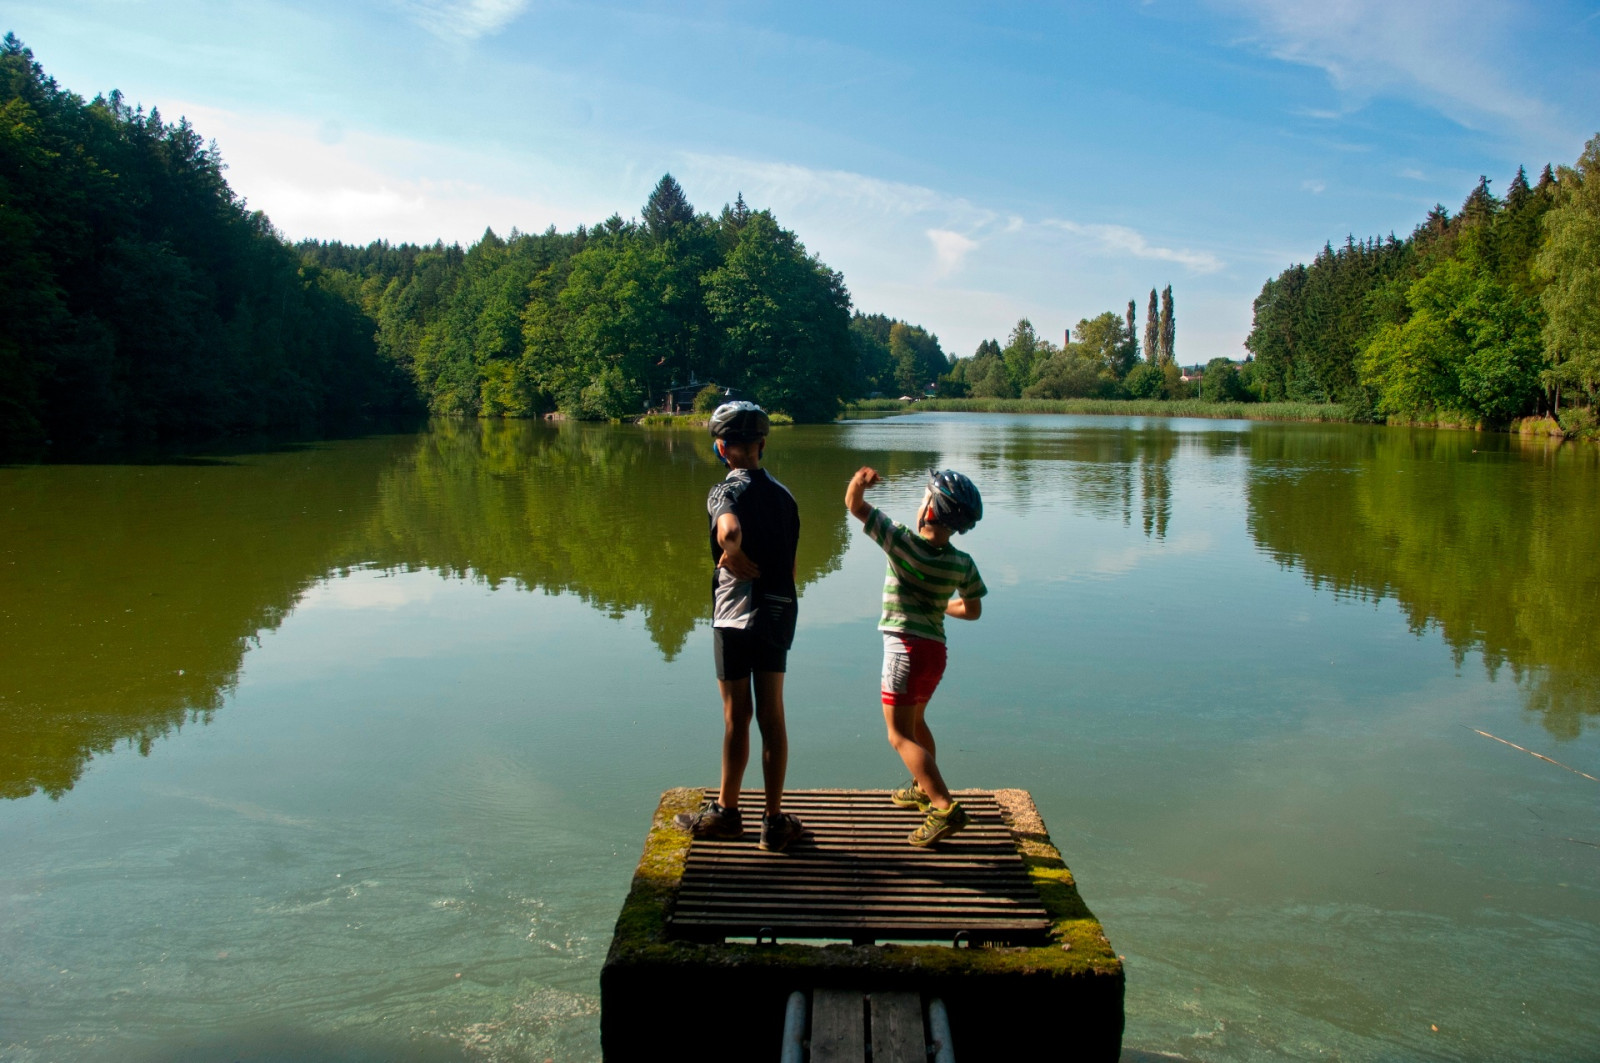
<point>912,668</point>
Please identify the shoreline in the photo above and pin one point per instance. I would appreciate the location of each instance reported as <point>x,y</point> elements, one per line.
<point>1226,411</point>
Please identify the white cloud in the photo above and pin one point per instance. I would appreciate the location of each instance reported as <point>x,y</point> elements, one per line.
<point>1446,53</point>
<point>1413,174</point>
<point>465,20</point>
<point>949,248</point>
<point>370,589</point>
<point>1315,187</point>
<point>1123,240</point>
<point>790,187</point>
<point>357,186</point>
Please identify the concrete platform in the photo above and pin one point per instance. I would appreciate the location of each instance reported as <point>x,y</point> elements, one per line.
<point>1059,997</point>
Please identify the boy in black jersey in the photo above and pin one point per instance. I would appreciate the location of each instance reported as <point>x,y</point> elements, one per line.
<point>755,526</point>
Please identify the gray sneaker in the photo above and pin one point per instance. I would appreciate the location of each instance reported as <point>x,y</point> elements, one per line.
<point>779,830</point>
<point>711,820</point>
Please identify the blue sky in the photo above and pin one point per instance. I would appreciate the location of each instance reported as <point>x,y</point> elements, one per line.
<point>962,165</point>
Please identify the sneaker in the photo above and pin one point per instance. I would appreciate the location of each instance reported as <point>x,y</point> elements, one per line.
<point>779,830</point>
<point>939,825</point>
<point>711,820</point>
<point>910,796</point>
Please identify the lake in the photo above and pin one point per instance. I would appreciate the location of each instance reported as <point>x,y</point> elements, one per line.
<point>347,750</point>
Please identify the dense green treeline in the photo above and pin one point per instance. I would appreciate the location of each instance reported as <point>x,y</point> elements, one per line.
<point>142,301</point>
<point>599,322</point>
<point>893,357</point>
<point>1477,318</point>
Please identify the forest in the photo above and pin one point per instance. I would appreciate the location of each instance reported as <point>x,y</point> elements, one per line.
<point>1477,318</point>
<point>146,303</point>
<point>143,301</point>
<point>599,322</point>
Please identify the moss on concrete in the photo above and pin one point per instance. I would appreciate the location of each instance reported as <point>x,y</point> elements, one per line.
<point>642,930</point>
<point>1058,1000</point>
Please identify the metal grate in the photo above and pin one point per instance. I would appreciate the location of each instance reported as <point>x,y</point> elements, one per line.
<point>854,877</point>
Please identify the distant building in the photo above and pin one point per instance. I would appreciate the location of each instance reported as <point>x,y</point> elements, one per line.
<point>680,398</point>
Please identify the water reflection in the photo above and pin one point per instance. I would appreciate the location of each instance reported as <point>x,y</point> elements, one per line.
<point>1116,473</point>
<point>616,517</point>
<point>1485,539</point>
<point>129,595</point>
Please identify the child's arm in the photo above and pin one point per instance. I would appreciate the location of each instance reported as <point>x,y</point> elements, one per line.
<point>855,495</point>
<point>730,537</point>
<point>964,608</point>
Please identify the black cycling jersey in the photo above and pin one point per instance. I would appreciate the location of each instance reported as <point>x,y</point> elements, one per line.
<point>770,524</point>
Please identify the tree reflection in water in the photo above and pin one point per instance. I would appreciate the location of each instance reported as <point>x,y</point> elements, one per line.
<point>1486,539</point>
<point>130,593</point>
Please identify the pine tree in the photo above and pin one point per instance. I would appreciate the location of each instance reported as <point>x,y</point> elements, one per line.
<point>1167,327</point>
<point>1152,334</point>
<point>1517,194</point>
<point>666,207</point>
<point>1480,205</point>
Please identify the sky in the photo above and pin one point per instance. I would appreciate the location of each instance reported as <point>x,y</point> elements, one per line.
<point>963,165</point>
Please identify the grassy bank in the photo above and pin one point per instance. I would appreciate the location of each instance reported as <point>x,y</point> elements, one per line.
<point>1249,411</point>
<point>697,420</point>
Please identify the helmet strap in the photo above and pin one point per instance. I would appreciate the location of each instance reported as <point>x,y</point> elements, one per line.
<point>717,446</point>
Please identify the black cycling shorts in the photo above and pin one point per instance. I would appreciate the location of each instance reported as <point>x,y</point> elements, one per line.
<point>740,651</point>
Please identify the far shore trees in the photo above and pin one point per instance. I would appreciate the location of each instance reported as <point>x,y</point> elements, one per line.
<point>598,322</point>
<point>1480,317</point>
<point>1099,360</point>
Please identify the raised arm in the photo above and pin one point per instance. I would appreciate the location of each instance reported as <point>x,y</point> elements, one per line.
<point>855,496</point>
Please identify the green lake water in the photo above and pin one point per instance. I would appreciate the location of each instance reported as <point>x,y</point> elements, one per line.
<point>346,751</point>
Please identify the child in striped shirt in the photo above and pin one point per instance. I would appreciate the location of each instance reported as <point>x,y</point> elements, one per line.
<point>928,579</point>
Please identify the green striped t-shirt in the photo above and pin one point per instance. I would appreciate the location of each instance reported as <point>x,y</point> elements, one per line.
<point>922,579</point>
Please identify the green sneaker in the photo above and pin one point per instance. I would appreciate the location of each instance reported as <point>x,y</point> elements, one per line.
<point>910,796</point>
<point>939,825</point>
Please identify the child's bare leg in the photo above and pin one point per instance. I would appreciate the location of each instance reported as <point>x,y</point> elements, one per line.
<point>902,721</point>
<point>736,712</point>
<point>924,736</point>
<point>774,736</point>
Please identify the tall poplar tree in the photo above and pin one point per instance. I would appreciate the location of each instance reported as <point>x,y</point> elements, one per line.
<point>1152,334</point>
<point>1133,338</point>
<point>1168,327</point>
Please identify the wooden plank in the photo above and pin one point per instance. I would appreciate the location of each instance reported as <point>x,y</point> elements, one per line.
<point>855,877</point>
<point>804,919</point>
<point>816,894</point>
<point>897,1037</point>
<point>838,1033</point>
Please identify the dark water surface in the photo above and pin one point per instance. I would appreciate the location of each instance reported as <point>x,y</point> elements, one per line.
<point>346,751</point>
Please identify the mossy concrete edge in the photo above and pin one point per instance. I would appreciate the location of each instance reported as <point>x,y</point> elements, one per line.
<point>1076,979</point>
<point>641,929</point>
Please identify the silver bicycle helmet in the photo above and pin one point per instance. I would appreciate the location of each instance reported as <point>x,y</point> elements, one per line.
<point>740,421</point>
